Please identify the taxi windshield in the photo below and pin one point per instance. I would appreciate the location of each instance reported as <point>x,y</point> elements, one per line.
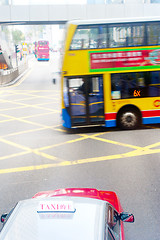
<point>27,223</point>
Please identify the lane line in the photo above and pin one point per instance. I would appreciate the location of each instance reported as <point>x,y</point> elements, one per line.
<point>31,130</point>
<point>78,162</point>
<point>45,155</point>
<point>26,105</point>
<point>23,120</point>
<point>15,145</point>
<point>115,142</point>
<point>14,108</point>
<point>63,143</point>
<point>152,145</point>
<point>27,150</point>
<point>21,79</point>
<point>24,132</point>
<point>14,155</point>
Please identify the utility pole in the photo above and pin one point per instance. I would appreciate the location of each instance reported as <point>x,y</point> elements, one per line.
<point>16,51</point>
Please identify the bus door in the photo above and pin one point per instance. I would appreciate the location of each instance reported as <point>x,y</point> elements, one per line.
<point>86,100</point>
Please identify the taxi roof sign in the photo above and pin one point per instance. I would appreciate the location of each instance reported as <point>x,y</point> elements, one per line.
<point>56,206</point>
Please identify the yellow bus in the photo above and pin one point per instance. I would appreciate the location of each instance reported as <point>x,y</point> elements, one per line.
<point>111,73</point>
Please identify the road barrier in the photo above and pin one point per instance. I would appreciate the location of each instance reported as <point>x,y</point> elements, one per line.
<point>9,76</point>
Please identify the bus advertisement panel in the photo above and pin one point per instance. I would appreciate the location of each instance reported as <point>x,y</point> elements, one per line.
<point>43,50</point>
<point>118,64</point>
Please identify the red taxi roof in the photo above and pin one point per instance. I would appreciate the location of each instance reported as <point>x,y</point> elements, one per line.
<point>108,196</point>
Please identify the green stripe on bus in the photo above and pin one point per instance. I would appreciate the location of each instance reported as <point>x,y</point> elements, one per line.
<point>123,50</point>
<point>124,68</point>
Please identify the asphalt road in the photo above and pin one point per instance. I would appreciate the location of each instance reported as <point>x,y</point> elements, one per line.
<point>37,153</point>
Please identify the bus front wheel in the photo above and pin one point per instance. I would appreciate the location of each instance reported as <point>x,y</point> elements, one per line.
<point>129,119</point>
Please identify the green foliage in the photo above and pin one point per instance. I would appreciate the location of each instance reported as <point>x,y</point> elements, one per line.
<point>18,36</point>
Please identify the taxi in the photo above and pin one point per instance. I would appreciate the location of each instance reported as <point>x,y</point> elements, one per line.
<point>68,214</point>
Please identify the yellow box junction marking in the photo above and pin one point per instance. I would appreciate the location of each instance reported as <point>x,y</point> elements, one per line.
<point>31,94</point>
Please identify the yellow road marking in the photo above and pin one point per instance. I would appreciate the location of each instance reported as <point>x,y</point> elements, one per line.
<point>152,145</point>
<point>23,120</point>
<point>23,132</point>
<point>28,150</point>
<point>6,109</point>
<point>21,79</point>
<point>116,143</point>
<point>7,120</point>
<point>30,116</point>
<point>29,93</point>
<point>45,155</point>
<point>60,144</point>
<point>24,77</point>
<point>81,161</point>
<point>26,105</point>
<point>61,130</point>
<point>37,115</point>
<point>14,155</point>
<point>15,145</point>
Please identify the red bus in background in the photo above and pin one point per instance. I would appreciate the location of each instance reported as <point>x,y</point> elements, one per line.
<point>43,50</point>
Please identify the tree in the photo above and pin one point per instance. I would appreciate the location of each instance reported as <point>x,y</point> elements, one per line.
<point>18,36</point>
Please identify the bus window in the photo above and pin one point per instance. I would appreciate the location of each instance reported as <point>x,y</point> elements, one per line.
<point>153,33</point>
<point>85,38</point>
<point>80,39</point>
<point>119,36</point>
<point>102,37</point>
<point>135,85</point>
<point>138,35</point>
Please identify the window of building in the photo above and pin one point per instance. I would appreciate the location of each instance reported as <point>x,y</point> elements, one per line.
<point>135,85</point>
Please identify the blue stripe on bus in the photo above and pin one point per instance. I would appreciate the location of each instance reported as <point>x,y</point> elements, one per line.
<point>43,59</point>
<point>110,123</point>
<point>66,120</point>
<point>151,120</point>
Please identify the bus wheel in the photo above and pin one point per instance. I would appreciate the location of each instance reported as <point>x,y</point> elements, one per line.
<point>129,119</point>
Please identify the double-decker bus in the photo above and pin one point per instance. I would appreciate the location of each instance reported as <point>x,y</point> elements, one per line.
<point>111,73</point>
<point>43,50</point>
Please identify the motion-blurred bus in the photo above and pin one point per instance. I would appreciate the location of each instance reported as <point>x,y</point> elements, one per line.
<point>118,63</point>
<point>43,50</point>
